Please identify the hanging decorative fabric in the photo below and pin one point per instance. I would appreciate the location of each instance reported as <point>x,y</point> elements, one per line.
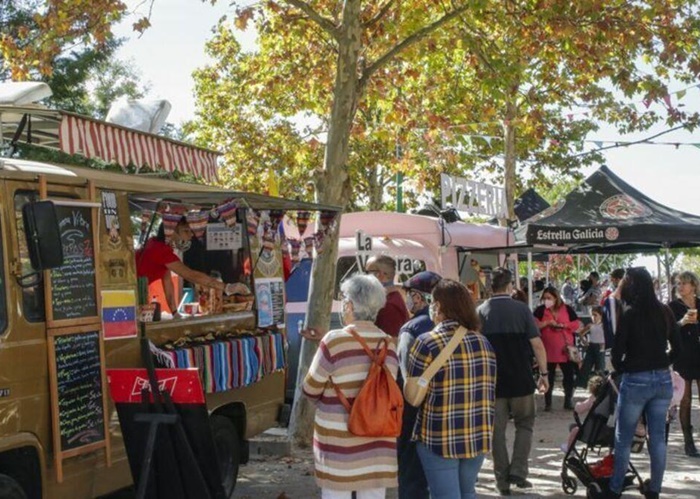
<point>319,238</point>
<point>276,217</point>
<point>253,218</point>
<point>197,220</point>
<point>294,249</point>
<point>303,221</point>
<point>171,216</point>
<point>309,246</point>
<point>327,219</point>
<point>284,246</point>
<point>227,212</point>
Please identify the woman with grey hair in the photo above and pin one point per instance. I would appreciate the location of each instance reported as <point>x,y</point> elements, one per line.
<point>344,462</point>
<point>687,364</point>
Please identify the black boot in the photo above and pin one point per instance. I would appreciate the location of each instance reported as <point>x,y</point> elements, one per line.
<point>568,396</point>
<point>690,449</point>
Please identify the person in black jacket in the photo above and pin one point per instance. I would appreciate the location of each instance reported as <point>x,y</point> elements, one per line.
<point>685,308</point>
<point>640,354</point>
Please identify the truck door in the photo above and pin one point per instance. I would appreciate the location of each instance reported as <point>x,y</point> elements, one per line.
<point>38,412</point>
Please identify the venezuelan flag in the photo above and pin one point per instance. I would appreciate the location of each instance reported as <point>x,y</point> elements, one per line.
<point>119,314</point>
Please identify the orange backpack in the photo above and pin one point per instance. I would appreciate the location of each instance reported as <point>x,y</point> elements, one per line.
<point>378,407</point>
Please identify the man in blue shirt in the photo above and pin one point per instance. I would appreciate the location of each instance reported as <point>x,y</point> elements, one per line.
<point>412,482</point>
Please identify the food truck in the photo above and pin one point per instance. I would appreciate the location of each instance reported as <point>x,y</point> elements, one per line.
<point>66,321</point>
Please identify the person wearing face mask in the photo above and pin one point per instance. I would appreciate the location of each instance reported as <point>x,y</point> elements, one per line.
<point>157,260</point>
<point>558,324</point>
<point>394,314</point>
<point>454,426</point>
<point>346,463</point>
<point>412,481</point>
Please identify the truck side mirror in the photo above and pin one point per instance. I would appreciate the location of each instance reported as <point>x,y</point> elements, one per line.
<point>43,235</point>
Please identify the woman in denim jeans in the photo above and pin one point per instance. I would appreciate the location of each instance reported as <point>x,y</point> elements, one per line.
<point>640,353</point>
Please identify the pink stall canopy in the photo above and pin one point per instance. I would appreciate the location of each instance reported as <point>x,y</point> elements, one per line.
<point>75,134</point>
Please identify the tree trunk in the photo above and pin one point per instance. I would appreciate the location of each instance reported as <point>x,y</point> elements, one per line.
<point>509,151</point>
<point>332,187</point>
<point>375,190</point>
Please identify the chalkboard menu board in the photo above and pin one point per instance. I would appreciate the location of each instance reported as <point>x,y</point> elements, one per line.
<point>79,386</point>
<point>73,293</point>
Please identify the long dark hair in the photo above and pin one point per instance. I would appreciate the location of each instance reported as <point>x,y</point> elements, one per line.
<point>456,303</point>
<point>637,293</point>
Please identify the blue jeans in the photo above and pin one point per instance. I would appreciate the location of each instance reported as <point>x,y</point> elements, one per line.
<point>449,478</point>
<point>648,393</point>
<point>412,482</point>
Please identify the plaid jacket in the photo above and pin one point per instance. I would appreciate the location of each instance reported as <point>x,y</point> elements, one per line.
<point>456,418</point>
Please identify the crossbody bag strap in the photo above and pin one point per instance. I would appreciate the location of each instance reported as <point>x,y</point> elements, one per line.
<point>444,354</point>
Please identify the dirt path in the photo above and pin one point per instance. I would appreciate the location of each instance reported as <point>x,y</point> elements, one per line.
<point>292,476</point>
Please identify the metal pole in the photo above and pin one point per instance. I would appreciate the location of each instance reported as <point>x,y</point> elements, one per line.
<point>399,192</point>
<point>667,264</point>
<point>658,273</point>
<point>529,278</point>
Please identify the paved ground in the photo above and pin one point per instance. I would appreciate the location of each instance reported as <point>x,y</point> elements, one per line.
<point>292,476</point>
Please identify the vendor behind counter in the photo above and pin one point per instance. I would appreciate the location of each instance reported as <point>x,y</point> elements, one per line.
<point>157,261</point>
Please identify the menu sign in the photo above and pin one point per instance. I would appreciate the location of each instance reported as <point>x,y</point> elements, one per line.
<point>73,293</point>
<point>80,390</point>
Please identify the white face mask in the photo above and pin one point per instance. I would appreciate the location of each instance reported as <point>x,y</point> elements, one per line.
<point>409,302</point>
<point>549,303</point>
<point>182,245</point>
<point>432,312</point>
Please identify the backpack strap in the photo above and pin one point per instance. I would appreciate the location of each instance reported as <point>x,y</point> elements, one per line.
<point>377,357</point>
<point>444,354</point>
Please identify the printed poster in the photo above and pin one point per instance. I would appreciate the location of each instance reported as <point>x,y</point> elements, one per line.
<point>269,295</point>
<point>222,237</point>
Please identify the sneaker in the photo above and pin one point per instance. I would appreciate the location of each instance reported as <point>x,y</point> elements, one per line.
<point>521,483</point>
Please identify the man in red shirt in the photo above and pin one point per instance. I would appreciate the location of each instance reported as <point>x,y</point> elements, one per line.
<point>157,259</point>
<point>394,314</point>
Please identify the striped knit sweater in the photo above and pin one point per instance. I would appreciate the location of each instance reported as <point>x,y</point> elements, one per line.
<point>344,461</point>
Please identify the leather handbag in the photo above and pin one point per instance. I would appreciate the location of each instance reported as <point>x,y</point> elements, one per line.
<point>415,388</point>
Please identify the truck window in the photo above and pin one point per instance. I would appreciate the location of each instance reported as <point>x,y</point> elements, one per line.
<point>33,291</point>
<point>3,301</point>
<point>211,252</point>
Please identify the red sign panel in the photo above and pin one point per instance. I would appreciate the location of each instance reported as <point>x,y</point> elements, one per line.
<point>183,385</point>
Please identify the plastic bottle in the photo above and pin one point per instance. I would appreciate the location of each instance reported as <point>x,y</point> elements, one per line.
<point>156,310</point>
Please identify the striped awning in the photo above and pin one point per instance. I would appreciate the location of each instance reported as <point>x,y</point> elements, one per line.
<point>76,134</point>
<point>117,144</point>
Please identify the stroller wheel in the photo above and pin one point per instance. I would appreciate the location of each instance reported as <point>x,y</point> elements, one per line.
<point>594,491</point>
<point>569,485</point>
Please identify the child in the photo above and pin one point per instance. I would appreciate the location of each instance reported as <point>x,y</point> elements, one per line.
<point>595,385</point>
<point>595,351</point>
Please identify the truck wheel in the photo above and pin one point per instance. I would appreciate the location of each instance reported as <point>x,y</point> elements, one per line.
<point>10,489</point>
<point>228,451</point>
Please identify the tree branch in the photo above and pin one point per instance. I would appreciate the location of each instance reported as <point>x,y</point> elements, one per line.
<point>406,43</point>
<point>325,24</point>
<point>378,16</point>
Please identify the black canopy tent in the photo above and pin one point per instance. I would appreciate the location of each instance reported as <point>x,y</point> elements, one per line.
<point>604,214</point>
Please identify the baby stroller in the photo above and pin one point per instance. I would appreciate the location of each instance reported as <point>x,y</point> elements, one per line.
<point>595,434</point>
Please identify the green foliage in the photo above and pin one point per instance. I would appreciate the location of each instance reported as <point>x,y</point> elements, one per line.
<point>443,101</point>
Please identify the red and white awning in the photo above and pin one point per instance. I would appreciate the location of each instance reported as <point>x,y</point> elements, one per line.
<point>116,144</point>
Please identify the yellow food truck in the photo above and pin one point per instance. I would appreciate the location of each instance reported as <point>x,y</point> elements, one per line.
<point>67,320</point>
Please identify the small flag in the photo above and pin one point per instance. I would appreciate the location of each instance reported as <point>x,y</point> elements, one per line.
<point>118,314</point>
